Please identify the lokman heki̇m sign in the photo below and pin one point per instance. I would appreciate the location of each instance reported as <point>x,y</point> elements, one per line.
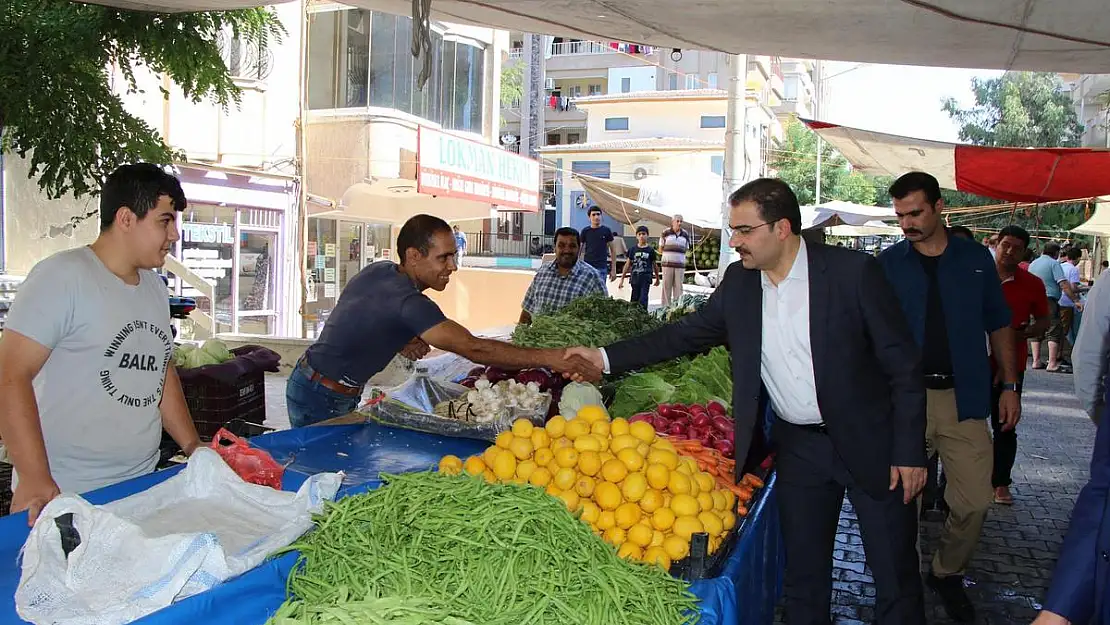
<point>455,167</point>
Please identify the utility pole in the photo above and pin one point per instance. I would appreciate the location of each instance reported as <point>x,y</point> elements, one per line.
<point>736,154</point>
<point>818,89</point>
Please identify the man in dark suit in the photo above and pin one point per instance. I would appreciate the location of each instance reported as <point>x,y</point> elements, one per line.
<point>1080,591</point>
<point>818,330</point>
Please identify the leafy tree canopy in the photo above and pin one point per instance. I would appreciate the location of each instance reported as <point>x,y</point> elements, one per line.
<point>1018,109</point>
<point>57,105</point>
<point>795,160</point>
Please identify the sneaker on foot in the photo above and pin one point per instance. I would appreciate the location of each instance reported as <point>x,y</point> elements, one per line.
<point>953,597</point>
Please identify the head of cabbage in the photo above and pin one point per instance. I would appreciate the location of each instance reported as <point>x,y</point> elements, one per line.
<point>211,352</point>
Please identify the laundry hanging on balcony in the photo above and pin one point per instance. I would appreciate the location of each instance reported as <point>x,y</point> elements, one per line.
<point>560,103</point>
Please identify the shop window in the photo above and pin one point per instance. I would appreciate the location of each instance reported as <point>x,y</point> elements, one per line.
<point>616,123</point>
<point>207,246</point>
<point>357,58</point>
<point>383,44</point>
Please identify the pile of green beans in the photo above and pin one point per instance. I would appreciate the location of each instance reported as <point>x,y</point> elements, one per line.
<point>370,611</point>
<point>494,554</point>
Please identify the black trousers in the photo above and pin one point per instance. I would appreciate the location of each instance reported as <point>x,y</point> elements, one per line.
<point>1005,443</point>
<point>812,481</point>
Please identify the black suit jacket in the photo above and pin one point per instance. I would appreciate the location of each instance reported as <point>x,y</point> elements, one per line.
<point>866,365</point>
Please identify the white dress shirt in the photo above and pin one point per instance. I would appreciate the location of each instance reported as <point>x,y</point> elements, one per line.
<point>786,357</point>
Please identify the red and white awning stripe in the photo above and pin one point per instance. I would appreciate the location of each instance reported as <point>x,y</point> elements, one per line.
<point>1008,174</point>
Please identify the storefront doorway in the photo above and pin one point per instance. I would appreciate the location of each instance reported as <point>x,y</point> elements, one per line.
<point>337,251</point>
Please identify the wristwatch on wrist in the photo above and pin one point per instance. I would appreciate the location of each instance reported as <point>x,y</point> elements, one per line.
<point>1009,386</point>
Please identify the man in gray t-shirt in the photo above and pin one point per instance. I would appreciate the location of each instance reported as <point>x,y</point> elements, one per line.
<point>86,380</point>
<point>382,312</point>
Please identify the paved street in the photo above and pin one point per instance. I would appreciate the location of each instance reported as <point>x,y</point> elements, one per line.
<point>1013,567</point>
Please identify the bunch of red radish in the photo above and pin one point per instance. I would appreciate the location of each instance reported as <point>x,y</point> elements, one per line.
<point>709,424</point>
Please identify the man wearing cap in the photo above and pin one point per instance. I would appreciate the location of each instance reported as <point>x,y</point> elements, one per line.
<point>641,267</point>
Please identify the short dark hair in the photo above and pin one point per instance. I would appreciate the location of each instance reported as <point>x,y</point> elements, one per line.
<point>1051,249</point>
<point>775,199</point>
<point>1074,254</point>
<point>640,229</point>
<point>1017,232</point>
<point>567,232</point>
<point>138,187</point>
<point>593,209</point>
<point>916,181</point>
<point>1106,263</point>
<point>961,231</point>
<point>417,233</point>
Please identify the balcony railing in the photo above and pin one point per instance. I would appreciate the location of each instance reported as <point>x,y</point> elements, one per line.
<point>516,53</point>
<point>580,47</point>
<point>521,245</point>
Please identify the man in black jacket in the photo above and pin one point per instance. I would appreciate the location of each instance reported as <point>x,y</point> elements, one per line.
<point>816,329</point>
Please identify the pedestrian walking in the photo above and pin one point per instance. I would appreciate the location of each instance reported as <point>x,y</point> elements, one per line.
<point>949,290</point>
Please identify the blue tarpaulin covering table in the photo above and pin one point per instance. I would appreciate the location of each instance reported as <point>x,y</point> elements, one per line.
<point>745,592</point>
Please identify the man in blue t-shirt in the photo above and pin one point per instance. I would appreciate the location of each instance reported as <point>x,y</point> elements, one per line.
<point>596,243</point>
<point>641,267</point>
<point>383,311</point>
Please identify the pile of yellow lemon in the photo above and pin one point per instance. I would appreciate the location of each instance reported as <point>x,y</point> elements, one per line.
<point>629,485</point>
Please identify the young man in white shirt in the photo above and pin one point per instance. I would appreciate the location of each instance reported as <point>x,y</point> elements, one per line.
<point>86,379</point>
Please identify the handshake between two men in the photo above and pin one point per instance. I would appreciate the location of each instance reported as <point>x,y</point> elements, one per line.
<point>582,364</point>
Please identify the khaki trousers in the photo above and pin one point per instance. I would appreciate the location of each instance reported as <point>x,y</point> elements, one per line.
<point>967,454</point>
<point>672,284</point>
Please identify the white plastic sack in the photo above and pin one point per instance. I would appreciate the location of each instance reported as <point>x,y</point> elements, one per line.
<point>178,538</point>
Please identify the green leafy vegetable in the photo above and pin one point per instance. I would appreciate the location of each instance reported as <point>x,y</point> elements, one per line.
<point>593,321</point>
<point>683,381</point>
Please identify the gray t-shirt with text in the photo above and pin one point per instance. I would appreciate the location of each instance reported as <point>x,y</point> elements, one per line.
<point>99,391</point>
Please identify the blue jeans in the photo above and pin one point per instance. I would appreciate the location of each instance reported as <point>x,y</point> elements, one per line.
<point>640,288</point>
<point>603,272</point>
<point>310,402</point>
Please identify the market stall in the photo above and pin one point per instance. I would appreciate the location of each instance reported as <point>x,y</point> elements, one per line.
<point>744,591</point>
<point>659,440</point>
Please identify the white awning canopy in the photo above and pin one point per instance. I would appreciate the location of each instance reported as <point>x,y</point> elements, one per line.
<point>393,201</point>
<point>1042,35</point>
<point>837,213</point>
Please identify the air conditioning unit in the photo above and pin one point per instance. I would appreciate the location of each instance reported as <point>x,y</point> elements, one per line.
<point>641,171</point>
<point>549,84</point>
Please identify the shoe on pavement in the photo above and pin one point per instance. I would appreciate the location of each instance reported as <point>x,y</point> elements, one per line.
<point>952,595</point>
<point>1002,496</point>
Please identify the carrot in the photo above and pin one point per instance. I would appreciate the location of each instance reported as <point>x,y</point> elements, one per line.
<point>752,480</point>
<point>742,511</point>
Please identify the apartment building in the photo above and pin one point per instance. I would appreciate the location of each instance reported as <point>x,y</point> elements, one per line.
<point>239,235</point>
<point>1091,98</point>
<point>576,76</point>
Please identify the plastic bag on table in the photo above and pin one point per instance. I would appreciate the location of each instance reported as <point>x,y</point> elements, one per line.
<point>108,565</point>
<point>254,465</point>
<point>412,406</point>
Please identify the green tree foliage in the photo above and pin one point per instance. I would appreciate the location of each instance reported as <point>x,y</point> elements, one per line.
<point>512,83</point>
<point>1018,109</point>
<point>56,103</point>
<point>795,160</point>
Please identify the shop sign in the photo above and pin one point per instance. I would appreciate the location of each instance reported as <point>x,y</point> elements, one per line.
<point>456,167</point>
<point>206,233</point>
